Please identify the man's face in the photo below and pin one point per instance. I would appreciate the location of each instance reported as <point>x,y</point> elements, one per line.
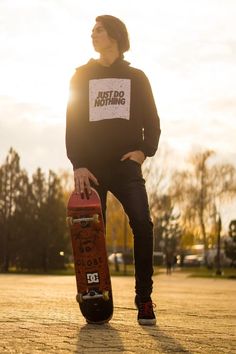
<point>101,39</point>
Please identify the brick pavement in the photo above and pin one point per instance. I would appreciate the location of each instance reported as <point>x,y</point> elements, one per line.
<point>38,314</point>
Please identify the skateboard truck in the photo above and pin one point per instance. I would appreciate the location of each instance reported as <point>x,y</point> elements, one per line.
<point>83,221</point>
<point>91,295</point>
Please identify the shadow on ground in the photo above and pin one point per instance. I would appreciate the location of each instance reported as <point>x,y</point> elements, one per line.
<point>99,338</point>
<point>166,343</point>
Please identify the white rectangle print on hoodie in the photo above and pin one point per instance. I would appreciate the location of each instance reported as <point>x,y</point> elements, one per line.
<point>109,99</point>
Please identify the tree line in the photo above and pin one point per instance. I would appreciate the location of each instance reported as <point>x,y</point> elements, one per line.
<point>185,207</point>
<point>33,232</point>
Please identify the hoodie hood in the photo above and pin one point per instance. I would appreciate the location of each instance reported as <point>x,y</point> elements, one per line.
<point>116,63</point>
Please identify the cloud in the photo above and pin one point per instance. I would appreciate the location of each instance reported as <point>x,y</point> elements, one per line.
<point>39,144</point>
<point>224,105</point>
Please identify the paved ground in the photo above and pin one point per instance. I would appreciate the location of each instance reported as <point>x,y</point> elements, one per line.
<point>39,314</point>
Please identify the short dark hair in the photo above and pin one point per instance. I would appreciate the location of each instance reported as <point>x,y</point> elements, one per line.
<point>117,30</point>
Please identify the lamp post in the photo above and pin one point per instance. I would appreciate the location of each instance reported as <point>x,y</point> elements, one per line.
<point>218,228</point>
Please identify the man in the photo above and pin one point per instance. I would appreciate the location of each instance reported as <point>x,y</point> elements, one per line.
<point>112,126</point>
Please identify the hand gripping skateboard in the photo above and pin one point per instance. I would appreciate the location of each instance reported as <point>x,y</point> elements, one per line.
<point>84,217</point>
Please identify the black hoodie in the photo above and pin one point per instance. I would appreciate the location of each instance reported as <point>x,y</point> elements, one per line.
<point>111,111</point>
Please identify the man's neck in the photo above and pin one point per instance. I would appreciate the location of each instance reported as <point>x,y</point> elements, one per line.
<point>108,58</point>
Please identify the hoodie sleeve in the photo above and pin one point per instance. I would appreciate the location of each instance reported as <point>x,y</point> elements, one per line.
<point>73,142</point>
<point>150,118</point>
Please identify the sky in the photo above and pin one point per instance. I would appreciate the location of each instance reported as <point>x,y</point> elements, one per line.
<point>187,48</point>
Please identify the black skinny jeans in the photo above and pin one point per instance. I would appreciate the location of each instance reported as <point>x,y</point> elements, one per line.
<point>124,180</point>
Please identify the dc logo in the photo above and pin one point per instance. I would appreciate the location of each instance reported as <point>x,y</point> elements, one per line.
<point>92,278</point>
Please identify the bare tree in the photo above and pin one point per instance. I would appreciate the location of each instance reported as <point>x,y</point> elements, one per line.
<point>157,172</point>
<point>201,189</point>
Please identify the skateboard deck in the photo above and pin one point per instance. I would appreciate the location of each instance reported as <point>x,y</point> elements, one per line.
<point>94,292</point>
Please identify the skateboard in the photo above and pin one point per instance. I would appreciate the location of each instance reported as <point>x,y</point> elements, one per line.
<point>94,292</point>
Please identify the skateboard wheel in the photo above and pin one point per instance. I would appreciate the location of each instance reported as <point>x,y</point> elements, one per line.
<point>106,295</point>
<point>84,223</point>
<point>69,221</point>
<point>79,298</point>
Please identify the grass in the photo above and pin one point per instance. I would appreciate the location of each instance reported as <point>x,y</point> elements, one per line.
<point>128,271</point>
<point>40,272</point>
<point>194,272</point>
<point>203,272</point>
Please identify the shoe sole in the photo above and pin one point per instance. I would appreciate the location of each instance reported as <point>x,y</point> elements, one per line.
<point>144,322</point>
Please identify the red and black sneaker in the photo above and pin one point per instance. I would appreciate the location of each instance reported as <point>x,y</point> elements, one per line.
<point>146,315</point>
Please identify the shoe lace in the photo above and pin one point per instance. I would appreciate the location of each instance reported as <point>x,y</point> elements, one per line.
<point>146,308</point>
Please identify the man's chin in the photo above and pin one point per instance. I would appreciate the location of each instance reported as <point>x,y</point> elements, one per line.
<point>96,49</point>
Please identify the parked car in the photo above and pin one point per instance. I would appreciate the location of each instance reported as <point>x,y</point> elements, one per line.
<point>121,258</point>
<point>116,257</point>
<point>212,258</point>
<point>192,260</point>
